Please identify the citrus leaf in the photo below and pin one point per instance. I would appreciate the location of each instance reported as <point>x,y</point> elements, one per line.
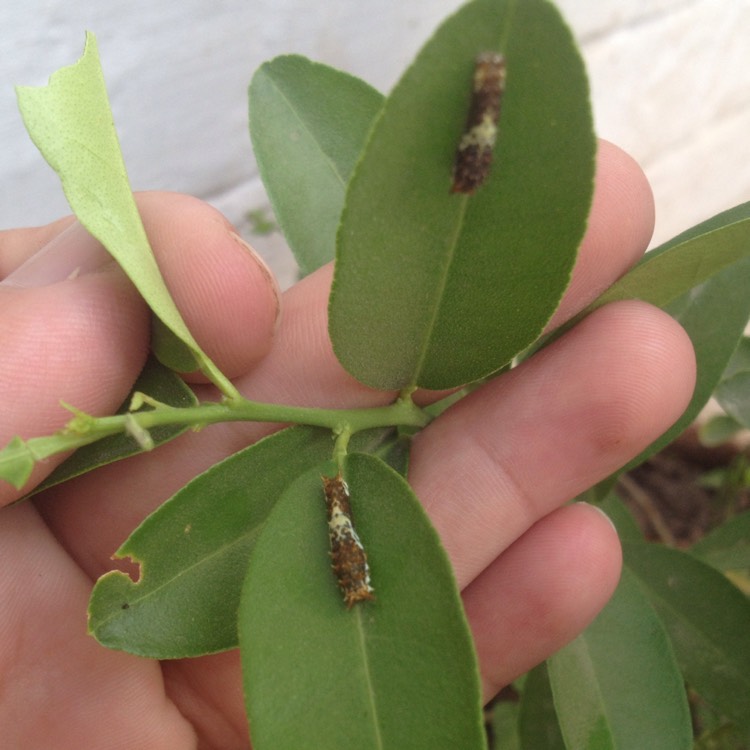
<point>193,551</point>
<point>707,620</point>
<point>618,685</point>
<point>71,124</point>
<point>449,287</point>
<point>308,124</point>
<point>395,672</point>
<point>677,266</point>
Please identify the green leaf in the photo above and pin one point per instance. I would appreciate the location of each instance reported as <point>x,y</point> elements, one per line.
<point>17,461</point>
<point>622,518</point>
<point>70,122</point>
<point>396,672</point>
<point>537,724</point>
<point>193,551</point>
<point>617,685</point>
<point>733,392</point>
<point>727,547</point>
<point>449,287</point>
<point>308,124</point>
<point>683,263</point>
<point>718,430</point>
<point>158,382</point>
<point>707,620</point>
<point>503,723</point>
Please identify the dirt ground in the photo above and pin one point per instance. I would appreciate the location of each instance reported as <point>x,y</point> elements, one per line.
<point>668,493</point>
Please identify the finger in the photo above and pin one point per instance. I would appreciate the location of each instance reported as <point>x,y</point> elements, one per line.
<point>301,369</point>
<point>524,444</point>
<point>618,232</point>
<point>63,689</point>
<point>619,228</point>
<point>541,592</point>
<point>73,328</point>
<point>228,298</point>
<point>18,245</point>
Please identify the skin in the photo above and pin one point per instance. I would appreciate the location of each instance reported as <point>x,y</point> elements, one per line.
<point>534,571</point>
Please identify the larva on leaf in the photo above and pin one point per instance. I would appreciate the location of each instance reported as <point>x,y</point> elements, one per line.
<point>474,153</point>
<point>348,557</point>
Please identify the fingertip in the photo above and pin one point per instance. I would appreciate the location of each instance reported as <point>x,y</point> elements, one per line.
<point>226,294</point>
<point>620,226</point>
<point>542,592</point>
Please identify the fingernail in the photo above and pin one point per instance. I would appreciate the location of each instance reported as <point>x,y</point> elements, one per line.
<point>72,253</point>
<point>265,270</point>
<point>601,512</point>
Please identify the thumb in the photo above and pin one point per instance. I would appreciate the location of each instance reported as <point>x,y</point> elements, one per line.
<point>72,329</point>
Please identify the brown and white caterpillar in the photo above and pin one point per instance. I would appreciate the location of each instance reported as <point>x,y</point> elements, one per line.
<point>474,153</point>
<point>348,557</point>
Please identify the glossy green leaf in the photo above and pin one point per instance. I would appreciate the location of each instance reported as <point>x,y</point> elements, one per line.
<point>618,685</point>
<point>158,382</point>
<point>397,672</point>
<point>193,552</point>
<point>449,287</point>
<point>308,124</point>
<point>70,122</point>
<point>727,547</point>
<point>707,619</point>
<point>537,724</point>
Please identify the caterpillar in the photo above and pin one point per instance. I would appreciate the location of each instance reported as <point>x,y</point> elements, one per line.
<point>348,557</point>
<point>474,154</point>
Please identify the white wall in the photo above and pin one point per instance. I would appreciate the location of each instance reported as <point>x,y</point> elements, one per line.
<point>670,83</point>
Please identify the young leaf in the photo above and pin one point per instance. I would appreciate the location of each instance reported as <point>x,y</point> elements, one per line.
<point>70,122</point>
<point>157,381</point>
<point>707,620</point>
<point>395,672</point>
<point>617,685</point>
<point>308,124</point>
<point>449,287</point>
<point>193,551</point>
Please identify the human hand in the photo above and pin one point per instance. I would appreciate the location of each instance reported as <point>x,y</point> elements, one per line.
<point>494,471</point>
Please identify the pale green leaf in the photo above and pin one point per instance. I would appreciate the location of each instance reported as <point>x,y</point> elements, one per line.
<point>308,124</point>
<point>71,124</point>
<point>438,289</point>
<point>17,461</point>
<point>397,672</point>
